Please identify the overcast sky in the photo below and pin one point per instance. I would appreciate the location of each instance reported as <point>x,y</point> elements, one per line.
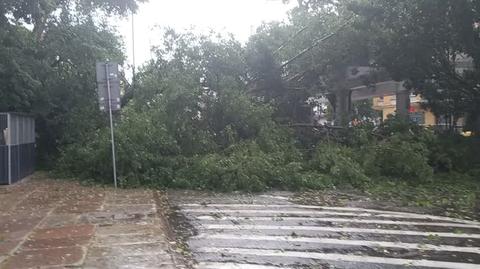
<point>239,17</point>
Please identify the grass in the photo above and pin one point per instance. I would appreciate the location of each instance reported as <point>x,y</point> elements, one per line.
<point>449,195</point>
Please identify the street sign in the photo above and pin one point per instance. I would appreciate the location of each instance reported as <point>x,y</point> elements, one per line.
<point>103,99</point>
<point>112,70</point>
<point>103,82</point>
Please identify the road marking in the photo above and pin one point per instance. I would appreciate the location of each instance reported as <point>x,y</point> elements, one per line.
<point>278,213</point>
<point>341,258</point>
<point>285,198</point>
<point>365,221</point>
<point>228,265</point>
<point>334,229</point>
<point>343,209</point>
<point>380,244</point>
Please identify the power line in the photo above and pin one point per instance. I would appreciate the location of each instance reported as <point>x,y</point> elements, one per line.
<point>316,43</point>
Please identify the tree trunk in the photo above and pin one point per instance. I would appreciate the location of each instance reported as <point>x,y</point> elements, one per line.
<point>403,103</point>
<point>342,107</point>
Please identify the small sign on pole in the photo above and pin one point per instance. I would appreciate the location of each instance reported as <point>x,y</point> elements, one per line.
<point>108,84</point>
<point>103,81</point>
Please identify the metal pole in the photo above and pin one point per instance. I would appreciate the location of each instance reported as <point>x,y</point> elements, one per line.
<point>9,147</point>
<point>133,54</point>
<point>111,126</point>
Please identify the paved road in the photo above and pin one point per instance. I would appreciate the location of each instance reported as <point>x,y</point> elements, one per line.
<point>267,232</point>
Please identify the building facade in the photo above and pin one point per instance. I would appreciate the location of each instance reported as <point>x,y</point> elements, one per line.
<point>387,105</point>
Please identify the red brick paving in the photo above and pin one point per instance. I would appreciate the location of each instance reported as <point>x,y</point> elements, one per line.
<point>45,257</point>
<point>55,224</point>
<point>64,232</point>
<point>56,242</point>
<point>7,246</point>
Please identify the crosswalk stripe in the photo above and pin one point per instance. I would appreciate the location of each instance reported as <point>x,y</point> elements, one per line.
<point>342,209</point>
<point>229,265</point>
<point>299,212</point>
<point>335,229</point>
<point>321,213</point>
<point>340,258</point>
<point>343,220</point>
<point>317,240</point>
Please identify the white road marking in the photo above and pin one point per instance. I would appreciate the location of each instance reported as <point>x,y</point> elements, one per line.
<point>341,258</point>
<point>285,198</point>
<point>334,229</point>
<point>343,220</point>
<point>381,244</point>
<point>250,214</point>
<point>229,265</point>
<point>323,213</point>
<point>279,213</point>
<point>301,213</point>
<point>353,209</point>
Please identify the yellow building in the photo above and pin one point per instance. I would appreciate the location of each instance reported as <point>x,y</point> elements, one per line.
<point>386,104</point>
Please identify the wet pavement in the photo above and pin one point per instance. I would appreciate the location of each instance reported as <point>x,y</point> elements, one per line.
<point>269,231</point>
<point>56,224</point>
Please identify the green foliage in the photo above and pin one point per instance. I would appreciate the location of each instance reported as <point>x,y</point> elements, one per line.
<point>48,71</point>
<point>192,129</point>
<point>399,159</point>
<point>152,153</point>
<point>363,111</point>
<point>18,63</point>
<point>338,162</point>
<point>452,194</point>
<point>195,129</point>
<point>206,112</point>
<point>395,125</point>
<point>192,124</point>
<point>452,152</point>
<point>243,167</point>
<point>359,136</point>
<point>94,154</point>
<point>420,41</point>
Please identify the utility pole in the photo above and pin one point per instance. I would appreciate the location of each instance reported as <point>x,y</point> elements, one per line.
<point>133,53</point>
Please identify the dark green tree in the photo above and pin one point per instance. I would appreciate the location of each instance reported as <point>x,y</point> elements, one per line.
<point>306,56</point>
<point>428,43</point>
<point>48,50</point>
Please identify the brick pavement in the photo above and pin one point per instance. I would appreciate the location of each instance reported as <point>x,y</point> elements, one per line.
<point>48,223</point>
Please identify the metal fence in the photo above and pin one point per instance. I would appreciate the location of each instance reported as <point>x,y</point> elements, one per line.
<point>17,147</point>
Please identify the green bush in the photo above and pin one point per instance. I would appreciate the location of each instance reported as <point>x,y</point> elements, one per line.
<point>358,136</point>
<point>399,159</point>
<point>233,145</point>
<point>397,125</point>
<point>452,152</point>
<point>338,162</point>
<point>297,175</point>
<point>243,167</point>
<point>146,152</point>
<point>246,167</point>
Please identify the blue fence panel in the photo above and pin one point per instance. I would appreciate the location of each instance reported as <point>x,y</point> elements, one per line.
<point>17,147</point>
<point>3,165</point>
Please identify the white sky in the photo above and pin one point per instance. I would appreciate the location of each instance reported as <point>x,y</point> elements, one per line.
<point>239,17</point>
